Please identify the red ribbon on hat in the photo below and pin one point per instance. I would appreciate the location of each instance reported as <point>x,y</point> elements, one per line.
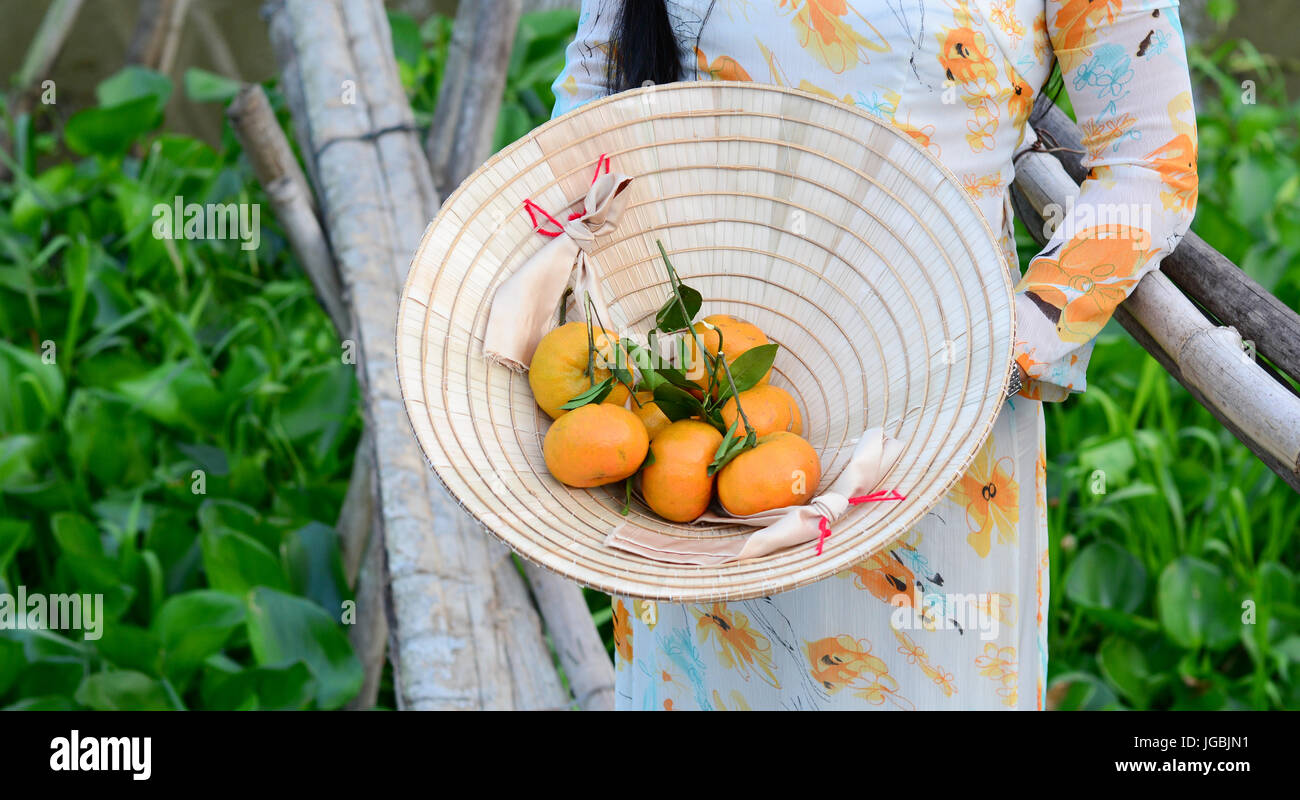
<point>533,209</point>
<point>824,525</point>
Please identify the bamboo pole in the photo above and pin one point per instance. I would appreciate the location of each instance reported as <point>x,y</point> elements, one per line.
<point>157,34</point>
<point>469,98</point>
<point>464,634</point>
<point>276,168</point>
<point>1207,359</point>
<point>575,639</point>
<point>41,54</point>
<point>46,44</point>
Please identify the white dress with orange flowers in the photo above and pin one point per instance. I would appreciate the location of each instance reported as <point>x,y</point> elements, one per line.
<point>953,616</point>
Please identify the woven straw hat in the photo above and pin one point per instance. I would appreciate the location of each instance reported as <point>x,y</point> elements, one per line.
<point>847,243</point>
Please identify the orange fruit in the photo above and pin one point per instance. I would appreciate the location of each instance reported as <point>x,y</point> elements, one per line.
<point>595,444</point>
<point>781,470</point>
<point>737,337</point>
<point>650,414</point>
<point>769,409</point>
<point>558,371</point>
<point>676,483</point>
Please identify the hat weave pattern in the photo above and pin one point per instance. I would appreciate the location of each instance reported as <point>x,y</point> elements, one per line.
<point>833,231</point>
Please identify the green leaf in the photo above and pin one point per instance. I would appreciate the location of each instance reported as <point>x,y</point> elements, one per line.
<point>676,403</point>
<point>1105,575</point>
<point>13,534</point>
<point>202,86</point>
<point>311,555</point>
<point>123,690</point>
<point>194,625</point>
<point>728,448</point>
<point>228,686</point>
<point>236,563</point>
<point>109,132</point>
<point>406,37</point>
<point>283,629</point>
<point>1124,664</point>
<point>1196,609</point>
<point>31,391</point>
<point>748,369</point>
<point>670,318</point>
<point>133,83</point>
<point>76,535</point>
<point>595,394</point>
<point>129,646</point>
<point>12,663</point>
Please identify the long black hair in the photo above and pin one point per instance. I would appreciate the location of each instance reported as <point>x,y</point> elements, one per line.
<point>644,48</point>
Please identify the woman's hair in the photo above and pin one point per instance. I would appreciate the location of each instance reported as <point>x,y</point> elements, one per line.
<point>644,46</point>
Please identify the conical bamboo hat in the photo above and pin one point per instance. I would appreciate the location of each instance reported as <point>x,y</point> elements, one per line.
<point>833,231</point>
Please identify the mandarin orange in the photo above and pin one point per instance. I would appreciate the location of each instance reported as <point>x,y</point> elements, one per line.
<point>737,337</point>
<point>595,444</point>
<point>769,409</point>
<point>676,483</point>
<point>558,371</point>
<point>781,470</point>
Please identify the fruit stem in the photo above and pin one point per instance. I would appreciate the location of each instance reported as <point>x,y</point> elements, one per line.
<point>673,281</point>
<point>591,347</point>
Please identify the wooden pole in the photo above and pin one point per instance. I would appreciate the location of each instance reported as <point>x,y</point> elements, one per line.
<point>1207,359</point>
<point>157,34</point>
<point>469,98</point>
<point>44,50</point>
<point>464,633</point>
<point>276,168</point>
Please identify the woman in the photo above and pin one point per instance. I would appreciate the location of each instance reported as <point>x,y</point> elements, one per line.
<point>953,616</point>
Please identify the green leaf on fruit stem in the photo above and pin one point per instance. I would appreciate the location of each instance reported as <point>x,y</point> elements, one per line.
<point>669,316</point>
<point>728,448</point>
<point>596,394</point>
<point>748,369</point>
<point>676,403</point>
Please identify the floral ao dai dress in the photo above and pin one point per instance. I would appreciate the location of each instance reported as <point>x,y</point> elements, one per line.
<point>953,616</point>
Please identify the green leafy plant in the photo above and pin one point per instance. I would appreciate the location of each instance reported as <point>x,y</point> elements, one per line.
<point>176,428</point>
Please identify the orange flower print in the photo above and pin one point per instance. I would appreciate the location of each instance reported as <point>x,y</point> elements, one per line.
<point>981,128</point>
<point>1004,16</point>
<point>964,54</point>
<point>622,631</point>
<point>999,663</point>
<point>808,86</point>
<point>842,662</point>
<point>980,185</point>
<point>1176,163</point>
<point>923,134</point>
<point>1077,21</point>
<point>885,576</point>
<point>989,493</point>
<point>1092,273</point>
<point>737,645</point>
<point>723,68</point>
<point>1041,42</point>
<point>828,37</point>
<point>915,654</point>
<point>1020,97</point>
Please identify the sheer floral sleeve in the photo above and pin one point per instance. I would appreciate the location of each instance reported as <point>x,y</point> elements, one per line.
<point>587,58</point>
<point>1125,68</point>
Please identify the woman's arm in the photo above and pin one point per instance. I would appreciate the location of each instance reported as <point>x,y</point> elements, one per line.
<point>586,66</point>
<point>1125,67</point>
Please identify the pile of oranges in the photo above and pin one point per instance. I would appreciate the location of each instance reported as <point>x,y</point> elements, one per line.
<point>745,448</point>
